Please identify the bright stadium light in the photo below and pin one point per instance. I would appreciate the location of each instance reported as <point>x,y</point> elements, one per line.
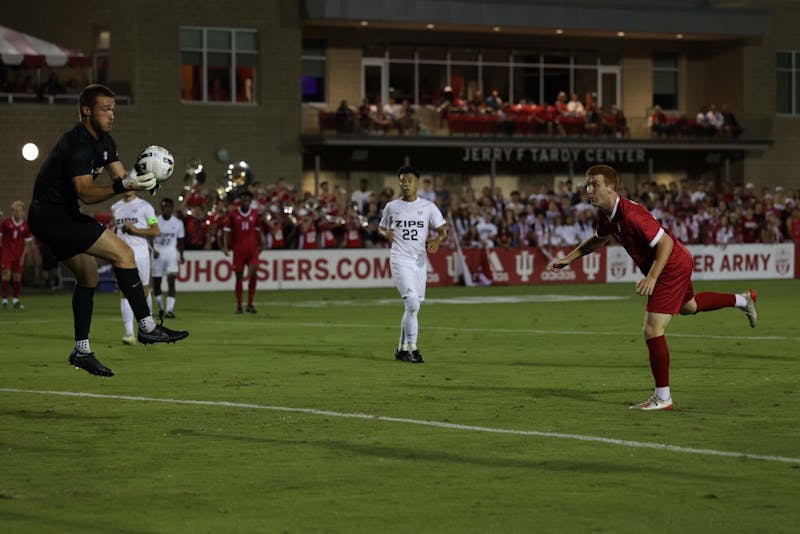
<point>30,151</point>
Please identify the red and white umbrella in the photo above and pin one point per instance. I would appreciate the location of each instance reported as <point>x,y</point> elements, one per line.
<point>17,48</point>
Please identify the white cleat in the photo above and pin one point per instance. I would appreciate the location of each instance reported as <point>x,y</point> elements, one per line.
<point>129,340</point>
<point>653,403</point>
<point>750,310</point>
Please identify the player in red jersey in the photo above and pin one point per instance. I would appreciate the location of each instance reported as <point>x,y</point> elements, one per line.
<point>244,231</point>
<point>666,264</point>
<point>16,239</point>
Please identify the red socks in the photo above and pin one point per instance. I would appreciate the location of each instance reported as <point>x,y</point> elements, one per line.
<point>709,301</point>
<point>5,289</point>
<point>238,293</point>
<point>251,290</point>
<point>659,360</point>
<point>16,287</point>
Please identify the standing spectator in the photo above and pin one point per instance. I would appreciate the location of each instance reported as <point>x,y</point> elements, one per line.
<point>353,227</point>
<point>793,225</point>
<point>487,230</point>
<point>361,197</point>
<point>345,119</point>
<point>16,242</point>
<point>427,191</point>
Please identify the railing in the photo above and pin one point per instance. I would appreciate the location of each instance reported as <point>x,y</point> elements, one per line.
<point>34,98</point>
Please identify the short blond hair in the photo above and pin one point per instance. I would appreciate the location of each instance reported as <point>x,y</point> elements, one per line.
<point>19,203</point>
<point>610,175</point>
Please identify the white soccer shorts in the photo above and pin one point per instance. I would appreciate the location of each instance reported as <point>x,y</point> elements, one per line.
<point>166,263</point>
<point>409,278</point>
<point>143,266</point>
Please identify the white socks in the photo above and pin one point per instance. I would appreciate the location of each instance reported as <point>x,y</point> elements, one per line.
<point>170,304</point>
<point>83,346</point>
<point>663,393</point>
<point>741,302</point>
<point>127,316</point>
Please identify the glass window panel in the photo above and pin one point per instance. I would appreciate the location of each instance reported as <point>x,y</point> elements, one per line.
<point>219,84</point>
<point>191,38</point>
<point>246,41</point>
<point>464,54</point>
<point>665,82</point>
<point>432,79</point>
<point>432,53</point>
<point>401,52</point>
<point>245,78</point>
<point>585,57</point>
<point>314,47</point>
<point>464,80</point>
<point>668,102</point>
<point>401,81</point>
<point>313,81</point>
<point>218,39</point>
<point>374,50</point>
<point>783,60</point>
<point>783,103</point>
<point>796,109</point>
<point>665,61</point>
<point>495,55</point>
<point>551,57</point>
<point>527,85</point>
<point>610,57</point>
<point>527,57</point>
<point>217,59</point>
<point>585,82</point>
<point>496,78</point>
<point>555,81</point>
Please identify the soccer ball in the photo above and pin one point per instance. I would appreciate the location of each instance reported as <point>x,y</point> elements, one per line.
<point>155,159</point>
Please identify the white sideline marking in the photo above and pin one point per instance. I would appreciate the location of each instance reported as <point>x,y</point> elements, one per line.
<point>423,422</point>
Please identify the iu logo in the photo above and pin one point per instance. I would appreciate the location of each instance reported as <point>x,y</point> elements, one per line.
<point>782,262</point>
<point>453,267</point>
<point>591,265</point>
<point>499,274</point>
<point>524,265</point>
<point>619,269</point>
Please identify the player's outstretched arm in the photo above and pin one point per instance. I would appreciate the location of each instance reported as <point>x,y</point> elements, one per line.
<point>433,245</point>
<point>588,246</point>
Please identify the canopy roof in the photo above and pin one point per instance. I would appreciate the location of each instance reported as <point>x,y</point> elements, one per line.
<point>17,48</point>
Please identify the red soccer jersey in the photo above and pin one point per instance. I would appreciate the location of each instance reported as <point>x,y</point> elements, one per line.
<point>244,229</point>
<point>14,237</point>
<point>638,231</point>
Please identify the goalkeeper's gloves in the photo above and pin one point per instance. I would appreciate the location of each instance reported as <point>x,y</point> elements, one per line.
<point>141,182</point>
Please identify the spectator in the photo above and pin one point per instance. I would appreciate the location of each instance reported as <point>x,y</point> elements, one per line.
<point>493,101</point>
<point>345,118</point>
<point>427,191</point>
<point>574,108</point>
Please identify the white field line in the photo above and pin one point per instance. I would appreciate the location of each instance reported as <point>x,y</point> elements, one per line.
<point>422,422</point>
<point>520,331</point>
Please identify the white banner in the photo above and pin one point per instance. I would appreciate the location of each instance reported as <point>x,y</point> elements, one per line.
<point>711,262</point>
<point>289,269</point>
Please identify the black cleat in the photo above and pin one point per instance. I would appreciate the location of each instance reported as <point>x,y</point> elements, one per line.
<point>250,309</point>
<point>161,334</point>
<point>160,316</point>
<point>238,311</point>
<point>417,356</point>
<point>87,362</point>
<point>169,315</point>
<point>404,356</point>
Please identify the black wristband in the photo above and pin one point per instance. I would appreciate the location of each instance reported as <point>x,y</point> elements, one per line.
<point>119,187</point>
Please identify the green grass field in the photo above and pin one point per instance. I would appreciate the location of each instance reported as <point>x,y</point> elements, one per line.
<point>306,423</point>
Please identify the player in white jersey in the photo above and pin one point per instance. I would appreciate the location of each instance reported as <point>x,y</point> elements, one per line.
<point>405,222</point>
<point>167,255</point>
<point>136,222</point>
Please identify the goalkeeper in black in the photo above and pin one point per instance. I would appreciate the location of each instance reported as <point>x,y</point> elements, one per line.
<point>67,176</point>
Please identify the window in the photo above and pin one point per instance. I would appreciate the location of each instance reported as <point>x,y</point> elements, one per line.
<point>101,57</point>
<point>787,98</point>
<point>665,81</point>
<point>315,57</point>
<point>218,64</point>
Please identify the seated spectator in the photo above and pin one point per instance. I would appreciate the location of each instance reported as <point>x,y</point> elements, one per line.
<point>704,126</point>
<point>379,119</point>
<point>658,123</point>
<point>364,116</point>
<point>715,119</point>
<point>594,120</point>
<point>52,86</point>
<point>345,119</point>
<point>575,107</point>
<point>731,126</point>
<point>408,122</point>
<point>493,101</point>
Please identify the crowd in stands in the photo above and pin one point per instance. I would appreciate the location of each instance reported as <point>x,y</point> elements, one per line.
<point>703,213</point>
<point>709,122</point>
<point>23,83</point>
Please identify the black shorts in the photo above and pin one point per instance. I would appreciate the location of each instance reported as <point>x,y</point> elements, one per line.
<point>66,234</point>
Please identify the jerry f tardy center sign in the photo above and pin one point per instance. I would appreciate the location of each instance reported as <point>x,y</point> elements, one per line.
<point>553,155</point>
